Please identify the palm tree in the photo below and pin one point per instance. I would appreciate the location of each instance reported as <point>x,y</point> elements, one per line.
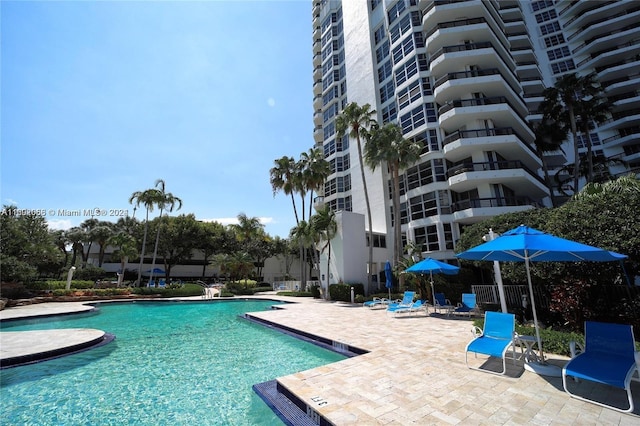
<point>87,226</point>
<point>593,107</point>
<point>282,177</point>
<point>387,146</point>
<point>125,246</point>
<point>324,224</point>
<point>303,235</point>
<point>600,165</point>
<point>628,184</point>
<point>315,170</point>
<point>572,98</point>
<point>549,138</point>
<point>101,234</point>
<point>167,201</point>
<point>149,198</point>
<point>357,120</point>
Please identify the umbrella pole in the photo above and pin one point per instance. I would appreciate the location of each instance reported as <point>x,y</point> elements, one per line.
<point>433,294</point>
<point>533,307</point>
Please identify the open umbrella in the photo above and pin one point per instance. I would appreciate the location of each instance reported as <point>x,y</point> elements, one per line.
<point>389,277</point>
<point>524,244</point>
<point>431,266</point>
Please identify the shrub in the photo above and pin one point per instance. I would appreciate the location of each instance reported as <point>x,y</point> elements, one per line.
<point>14,291</point>
<point>89,272</point>
<point>342,292</point>
<point>185,290</point>
<point>359,298</point>
<point>294,293</point>
<point>61,284</point>
<point>315,291</point>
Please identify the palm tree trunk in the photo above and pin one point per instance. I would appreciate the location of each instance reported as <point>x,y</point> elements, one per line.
<point>366,199</point>
<point>574,134</point>
<point>144,246</point>
<point>397,245</point>
<point>155,249</point>
<point>326,296</point>
<point>587,141</point>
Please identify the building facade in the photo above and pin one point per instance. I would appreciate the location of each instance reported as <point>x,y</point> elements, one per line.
<point>464,79</point>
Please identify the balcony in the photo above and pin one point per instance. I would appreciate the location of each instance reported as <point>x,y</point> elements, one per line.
<point>477,209</point>
<point>505,140</point>
<point>456,114</point>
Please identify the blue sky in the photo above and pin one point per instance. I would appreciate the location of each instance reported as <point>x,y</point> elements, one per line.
<point>100,99</point>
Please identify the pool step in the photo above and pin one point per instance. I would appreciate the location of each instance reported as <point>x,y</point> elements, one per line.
<point>290,413</point>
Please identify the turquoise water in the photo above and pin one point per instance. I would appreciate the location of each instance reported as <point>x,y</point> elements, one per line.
<point>170,364</point>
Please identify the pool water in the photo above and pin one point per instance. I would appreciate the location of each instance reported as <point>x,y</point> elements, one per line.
<point>177,363</point>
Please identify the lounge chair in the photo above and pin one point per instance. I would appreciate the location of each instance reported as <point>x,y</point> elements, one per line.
<point>377,301</point>
<point>468,305</point>
<point>416,306</point>
<point>407,300</point>
<point>442,303</point>
<point>494,340</point>
<point>608,358</point>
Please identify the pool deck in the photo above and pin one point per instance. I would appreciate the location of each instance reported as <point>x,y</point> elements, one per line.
<point>414,372</point>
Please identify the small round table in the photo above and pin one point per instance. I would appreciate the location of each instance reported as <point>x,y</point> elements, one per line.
<point>529,353</point>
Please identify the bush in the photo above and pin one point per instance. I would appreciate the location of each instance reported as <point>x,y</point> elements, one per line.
<point>342,292</point>
<point>90,273</point>
<point>14,291</point>
<point>315,291</point>
<point>60,284</point>
<point>294,293</point>
<point>185,290</point>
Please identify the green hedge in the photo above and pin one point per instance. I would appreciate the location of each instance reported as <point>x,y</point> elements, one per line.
<point>186,290</point>
<point>294,293</point>
<point>59,285</point>
<point>342,292</point>
<point>94,292</point>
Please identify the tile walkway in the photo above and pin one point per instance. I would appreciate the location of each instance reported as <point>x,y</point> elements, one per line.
<point>415,373</point>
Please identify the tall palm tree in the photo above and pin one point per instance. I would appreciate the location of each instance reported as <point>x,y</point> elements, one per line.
<point>315,170</point>
<point>167,201</point>
<point>549,138</point>
<point>282,177</point>
<point>87,226</point>
<point>101,234</point>
<point>576,100</point>
<point>324,224</point>
<point>628,185</point>
<point>593,107</point>
<point>303,235</point>
<point>357,120</point>
<point>149,198</point>
<point>387,146</point>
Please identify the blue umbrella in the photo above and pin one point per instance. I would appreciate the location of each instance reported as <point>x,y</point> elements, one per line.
<point>155,271</point>
<point>389,277</point>
<point>524,244</point>
<point>431,266</point>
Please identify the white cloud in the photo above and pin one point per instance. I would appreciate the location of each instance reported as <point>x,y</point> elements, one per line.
<point>271,102</point>
<point>59,224</point>
<point>234,220</point>
<point>10,202</point>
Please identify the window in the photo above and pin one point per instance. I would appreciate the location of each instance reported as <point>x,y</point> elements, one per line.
<point>426,238</point>
<point>396,10</point>
<point>374,3</point>
<point>386,91</point>
<point>407,71</point>
<point>400,29</point>
<point>384,71</point>
<point>382,52</point>
<point>546,16</point>
<point>543,4</point>
<point>409,94</point>
<point>558,53</point>
<point>403,49</point>
<point>554,40</point>
<point>379,35</point>
<point>340,204</point>
<point>329,148</point>
<point>343,143</point>
<point>428,140</point>
<point>389,113</point>
<point>563,66</point>
<point>448,236</point>
<point>329,130</point>
<point>550,28</point>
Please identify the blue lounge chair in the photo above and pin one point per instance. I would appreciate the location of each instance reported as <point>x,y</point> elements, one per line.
<point>468,305</point>
<point>376,302</point>
<point>495,339</point>
<point>442,303</point>
<point>608,358</point>
<point>416,306</point>
<point>407,300</point>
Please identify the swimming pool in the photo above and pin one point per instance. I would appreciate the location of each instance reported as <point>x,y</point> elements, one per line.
<point>171,363</point>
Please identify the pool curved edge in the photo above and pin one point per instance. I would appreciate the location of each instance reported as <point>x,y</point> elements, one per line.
<point>64,350</point>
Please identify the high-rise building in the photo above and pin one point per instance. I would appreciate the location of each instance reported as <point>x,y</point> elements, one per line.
<point>464,79</point>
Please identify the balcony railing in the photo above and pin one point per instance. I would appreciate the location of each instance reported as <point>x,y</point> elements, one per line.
<point>479,203</point>
<point>461,103</point>
<point>491,165</point>
<point>483,133</point>
<point>466,74</point>
<point>461,48</point>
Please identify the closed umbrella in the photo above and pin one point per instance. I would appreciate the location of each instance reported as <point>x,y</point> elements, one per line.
<point>524,244</point>
<point>388,277</point>
<point>431,266</point>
